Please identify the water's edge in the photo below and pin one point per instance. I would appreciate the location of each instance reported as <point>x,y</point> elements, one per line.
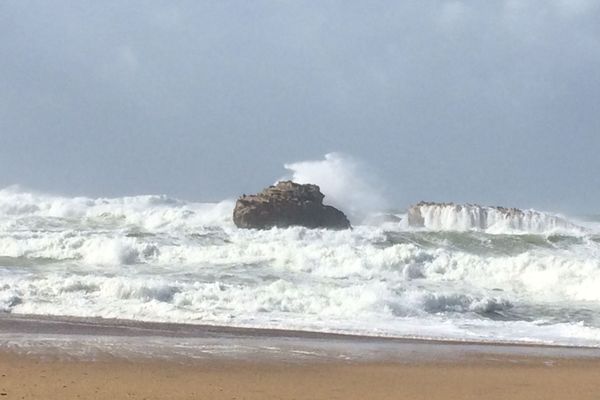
<point>95,339</point>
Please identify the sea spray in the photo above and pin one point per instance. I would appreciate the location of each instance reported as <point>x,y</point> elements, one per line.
<point>155,258</point>
<point>347,183</point>
<point>466,217</point>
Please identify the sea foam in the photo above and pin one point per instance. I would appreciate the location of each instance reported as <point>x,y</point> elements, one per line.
<point>346,182</point>
<point>464,217</point>
<point>468,273</point>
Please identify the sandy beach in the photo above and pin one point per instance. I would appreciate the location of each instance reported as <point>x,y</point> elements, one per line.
<point>24,377</point>
<point>71,358</point>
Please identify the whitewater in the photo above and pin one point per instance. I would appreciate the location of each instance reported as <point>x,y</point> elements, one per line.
<point>155,258</point>
<point>432,271</point>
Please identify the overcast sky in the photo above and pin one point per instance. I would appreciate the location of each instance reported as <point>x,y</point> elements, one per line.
<point>495,102</point>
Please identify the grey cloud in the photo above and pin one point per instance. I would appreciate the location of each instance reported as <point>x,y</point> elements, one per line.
<point>493,102</point>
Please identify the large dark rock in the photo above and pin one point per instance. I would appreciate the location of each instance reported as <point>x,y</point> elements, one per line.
<point>287,204</point>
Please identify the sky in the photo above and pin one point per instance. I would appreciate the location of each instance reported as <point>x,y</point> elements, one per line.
<point>494,102</point>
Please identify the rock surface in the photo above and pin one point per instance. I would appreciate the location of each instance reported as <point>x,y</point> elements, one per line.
<point>287,204</point>
<point>477,212</point>
<point>454,216</point>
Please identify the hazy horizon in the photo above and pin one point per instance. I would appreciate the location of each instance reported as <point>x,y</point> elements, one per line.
<point>485,102</point>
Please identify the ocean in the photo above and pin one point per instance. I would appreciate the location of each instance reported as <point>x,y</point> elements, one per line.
<point>466,274</point>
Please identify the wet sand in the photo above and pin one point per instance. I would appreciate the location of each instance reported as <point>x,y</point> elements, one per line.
<point>70,358</point>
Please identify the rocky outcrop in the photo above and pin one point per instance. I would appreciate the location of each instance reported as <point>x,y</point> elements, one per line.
<point>287,204</point>
<point>478,214</point>
<point>463,217</point>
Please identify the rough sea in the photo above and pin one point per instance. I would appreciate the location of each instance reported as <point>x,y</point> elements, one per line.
<point>530,278</point>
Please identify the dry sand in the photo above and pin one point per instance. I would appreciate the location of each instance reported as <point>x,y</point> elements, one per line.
<point>27,377</point>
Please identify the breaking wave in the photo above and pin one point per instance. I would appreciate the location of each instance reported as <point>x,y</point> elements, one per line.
<point>466,273</point>
<point>346,182</point>
<point>457,217</point>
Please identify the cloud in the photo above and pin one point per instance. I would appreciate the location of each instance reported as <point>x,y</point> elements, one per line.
<point>452,14</point>
<point>483,101</point>
<point>121,64</point>
<point>576,8</point>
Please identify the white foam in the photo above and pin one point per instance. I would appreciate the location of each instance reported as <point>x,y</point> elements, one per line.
<point>153,213</point>
<point>457,217</point>
<point>159,259</point>
<point>345,181</point>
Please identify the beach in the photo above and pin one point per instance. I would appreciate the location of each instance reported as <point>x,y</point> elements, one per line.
<point>70,358</point>
<point>149,297</point>
<point>26,377</point>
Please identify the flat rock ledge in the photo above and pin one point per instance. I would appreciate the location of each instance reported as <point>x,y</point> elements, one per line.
<point>287,204</point>
<point>478,214</point>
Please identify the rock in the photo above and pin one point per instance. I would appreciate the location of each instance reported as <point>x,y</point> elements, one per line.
<point>476,212</point>
<point>461,217</point>
<point>287,204</point>
<point>415,218</point>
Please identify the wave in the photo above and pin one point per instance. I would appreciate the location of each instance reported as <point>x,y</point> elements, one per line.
<point>30,211</point>
<point>463,274</point>
<point>347,184</point>
<point>342,283</point>
<point>458,217</point>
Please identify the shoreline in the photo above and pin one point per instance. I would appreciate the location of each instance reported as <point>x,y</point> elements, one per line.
<point>33,323</point>
<point>89,339</point>
<point>74,358</point>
